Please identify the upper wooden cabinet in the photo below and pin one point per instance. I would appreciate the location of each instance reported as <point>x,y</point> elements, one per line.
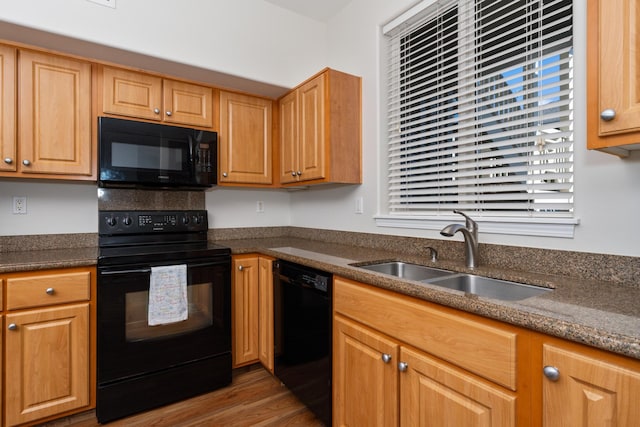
<point>320,131</point>
<point>8,148</point>
<point>244,141</point>
<point>54,117</point>
<point>145,96</point>
<point>613,76</point>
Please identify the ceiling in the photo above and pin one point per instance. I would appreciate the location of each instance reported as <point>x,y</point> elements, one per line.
<point>320,10</point>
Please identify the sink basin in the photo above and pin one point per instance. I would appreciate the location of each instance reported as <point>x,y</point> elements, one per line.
<point>488,287</point>
<point>406,270</point>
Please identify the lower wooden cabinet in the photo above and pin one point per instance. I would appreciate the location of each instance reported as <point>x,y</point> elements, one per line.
<point>252,310</point>
<point>587,387</point>
<point>436,394</point>
<point>386,374</point>
<point>47,362</point>
<point>49,351</point>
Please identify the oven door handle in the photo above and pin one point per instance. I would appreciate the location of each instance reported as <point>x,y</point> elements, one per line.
<point>114,272</point>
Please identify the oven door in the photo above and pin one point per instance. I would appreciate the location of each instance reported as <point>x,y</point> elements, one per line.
<point>128,346</point>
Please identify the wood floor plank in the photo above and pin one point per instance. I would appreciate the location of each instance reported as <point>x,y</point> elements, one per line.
<point>255,398</point>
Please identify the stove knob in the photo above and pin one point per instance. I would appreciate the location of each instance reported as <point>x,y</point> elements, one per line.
<point>197,219</point>
<point>127,220</point>
<point>186,220</point>
<point>112,221</point>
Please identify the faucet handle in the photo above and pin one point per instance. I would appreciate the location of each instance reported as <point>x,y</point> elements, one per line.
<point>433,253</point>
<point>471,225</point>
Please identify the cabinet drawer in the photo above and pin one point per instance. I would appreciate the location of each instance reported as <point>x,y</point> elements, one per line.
<point>470,343</point>
<point>48,289</point>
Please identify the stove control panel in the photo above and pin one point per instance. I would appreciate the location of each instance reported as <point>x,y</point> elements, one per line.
<point>149,222</point>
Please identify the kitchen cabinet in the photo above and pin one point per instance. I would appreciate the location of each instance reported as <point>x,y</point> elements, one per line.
<point>244,140</point>
<point>252,310</point>
<point>54,136</point>
<point>320,131</point>
<point>613,76</point>
<point>584,386</point>
<point>401,361</point>
<point>265,312</point>
<point>150,97</point>
<point>48,344</point>
<point>8,147</point>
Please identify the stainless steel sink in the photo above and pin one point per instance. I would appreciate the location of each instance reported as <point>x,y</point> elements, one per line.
<point>470,283</point>
<point>406,270</point>
<point>488,287</point>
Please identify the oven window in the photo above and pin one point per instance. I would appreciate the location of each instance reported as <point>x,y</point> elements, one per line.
<point>137,307</point>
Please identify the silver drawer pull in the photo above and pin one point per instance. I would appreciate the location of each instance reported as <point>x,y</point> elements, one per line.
<point>386,358</point>
<point>403,366</point>
<point>12,327</point>
<point>50,291</point>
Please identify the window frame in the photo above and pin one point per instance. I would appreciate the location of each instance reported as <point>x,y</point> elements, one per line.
<point>563,227</point>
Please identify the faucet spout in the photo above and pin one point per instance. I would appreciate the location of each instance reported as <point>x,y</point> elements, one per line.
<point>470,234</point>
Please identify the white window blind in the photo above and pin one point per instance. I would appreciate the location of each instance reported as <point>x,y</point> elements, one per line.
<point>480,110</point>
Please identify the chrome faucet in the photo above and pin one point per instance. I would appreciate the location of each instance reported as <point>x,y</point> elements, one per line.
<point>470,233</point>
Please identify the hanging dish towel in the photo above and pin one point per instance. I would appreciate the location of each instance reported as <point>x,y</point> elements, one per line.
<point>168,295</point>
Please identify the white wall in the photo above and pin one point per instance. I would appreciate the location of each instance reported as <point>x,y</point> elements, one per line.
<point>253,39</point>
<point>51,208</point>
<point>607,191</point>
<point>249,38</point>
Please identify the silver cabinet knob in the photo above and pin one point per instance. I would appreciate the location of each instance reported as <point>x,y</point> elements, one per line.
<point>8,160</point>
<point>293,173</point>
<point>240,268</point>
<point>403,366</point>
<point>12,327</point>
<point>168,113</point>
<point>386,358</point>
<point>26,162</point>
<point>50,291</point>
<point>551,372</point>
<point>224,174</point>
<point>156,110</point>
<point>608,114</point>
<point>298,173</point>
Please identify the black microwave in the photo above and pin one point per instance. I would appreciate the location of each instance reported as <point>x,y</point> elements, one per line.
<point>149,155</point>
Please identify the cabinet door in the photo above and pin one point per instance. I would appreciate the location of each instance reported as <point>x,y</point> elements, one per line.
<point>244,299</point>
<point>8,155</point>
<point>435,394</point>
<point>311,116</point>
<point>265,283</point>
<point>55,115</point>
<point>187,104</point>
<point>365,386</point>
<point>289,138</point>
<point>245,139</point>
<point>128,93</point>
<point>614,73</point>
<point>47,362</point>
<point>588,391</point>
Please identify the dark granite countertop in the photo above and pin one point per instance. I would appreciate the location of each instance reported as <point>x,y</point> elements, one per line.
<point>600,314</point>
<point>50,258</point>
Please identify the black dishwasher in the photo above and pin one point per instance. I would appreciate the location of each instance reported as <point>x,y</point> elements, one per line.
<point>302,299</point>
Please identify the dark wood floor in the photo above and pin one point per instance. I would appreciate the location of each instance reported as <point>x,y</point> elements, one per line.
<point>255,398</point>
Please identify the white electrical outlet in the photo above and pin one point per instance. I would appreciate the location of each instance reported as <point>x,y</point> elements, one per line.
<point>19,205</point>
<point>109,3</point>
<point>260,206</point>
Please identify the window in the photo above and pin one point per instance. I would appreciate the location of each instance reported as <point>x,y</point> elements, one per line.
<point>480,110</point>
